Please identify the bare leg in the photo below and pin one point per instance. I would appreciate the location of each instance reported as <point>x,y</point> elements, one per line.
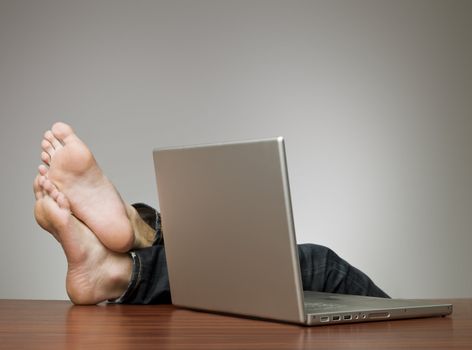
<point>93,199</point>
<point>94,273</point>
<point>144,235</point>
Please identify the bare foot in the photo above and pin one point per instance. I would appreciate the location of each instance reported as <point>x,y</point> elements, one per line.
<point>94,273</point>
<point>93,198</point>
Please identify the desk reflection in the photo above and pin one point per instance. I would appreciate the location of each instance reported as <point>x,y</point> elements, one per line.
<point>164,326</point>
<point>126,326</point>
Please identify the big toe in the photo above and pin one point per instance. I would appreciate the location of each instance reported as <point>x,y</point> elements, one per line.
<point>62,131</point>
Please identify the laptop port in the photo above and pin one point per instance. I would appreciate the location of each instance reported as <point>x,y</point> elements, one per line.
<point>336,318</point>
<point>379,315</point>
<point>347,317</point>
<point>324,319</point>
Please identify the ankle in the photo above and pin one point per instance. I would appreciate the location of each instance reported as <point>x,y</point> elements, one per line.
<point>144,235</point>
<point>118,275</point>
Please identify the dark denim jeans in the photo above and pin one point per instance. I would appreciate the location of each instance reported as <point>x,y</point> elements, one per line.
<point>321,270</point>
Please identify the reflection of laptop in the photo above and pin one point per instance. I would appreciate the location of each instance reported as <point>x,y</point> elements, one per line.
<point>230,240</point>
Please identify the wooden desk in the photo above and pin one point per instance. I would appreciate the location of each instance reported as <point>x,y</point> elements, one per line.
<point>26,324</point>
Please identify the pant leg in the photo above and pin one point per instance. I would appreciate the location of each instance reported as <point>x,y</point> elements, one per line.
<point>149,282</point>
<point>322,270</point>
<point>149,279</point>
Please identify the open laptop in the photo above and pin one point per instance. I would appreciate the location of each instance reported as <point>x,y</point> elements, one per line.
<point>230,239</point>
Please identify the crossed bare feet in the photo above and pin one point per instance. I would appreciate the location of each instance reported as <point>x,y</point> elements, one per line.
<point>93,198</point>
<point>81,208</point>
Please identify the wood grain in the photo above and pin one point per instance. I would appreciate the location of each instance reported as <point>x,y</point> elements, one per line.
<point>28,324</point>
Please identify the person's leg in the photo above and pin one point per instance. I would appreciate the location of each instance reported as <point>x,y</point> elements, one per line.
<point>94,273</point>
<point>150,280</point>
<point>72,168</point>
<point>95,202</point>
<point>323,270</point>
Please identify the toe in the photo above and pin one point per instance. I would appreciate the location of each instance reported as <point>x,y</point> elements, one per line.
<point>41,181</point>
<point>49,136</point>
<point>47,185</point>
<point>54,194</point>
<point>38,192</point>
<point>42,169</point>
<point>47,147</point>
<point>62,201</point>
<point>51,189</point>
<point>45,157</point>
<point>62,131</point>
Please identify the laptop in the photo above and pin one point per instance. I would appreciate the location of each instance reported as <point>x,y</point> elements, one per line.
<point>230,239</point>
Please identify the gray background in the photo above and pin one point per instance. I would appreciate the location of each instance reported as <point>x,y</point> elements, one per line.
<point>374,99</point>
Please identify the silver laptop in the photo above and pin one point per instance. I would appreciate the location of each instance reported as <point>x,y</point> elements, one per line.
<point>230,239</point>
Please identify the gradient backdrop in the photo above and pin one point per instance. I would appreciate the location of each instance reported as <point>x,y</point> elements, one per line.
<point>374,99</point>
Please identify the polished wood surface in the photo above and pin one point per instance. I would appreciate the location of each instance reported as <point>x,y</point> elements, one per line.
<point>27,324</point>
